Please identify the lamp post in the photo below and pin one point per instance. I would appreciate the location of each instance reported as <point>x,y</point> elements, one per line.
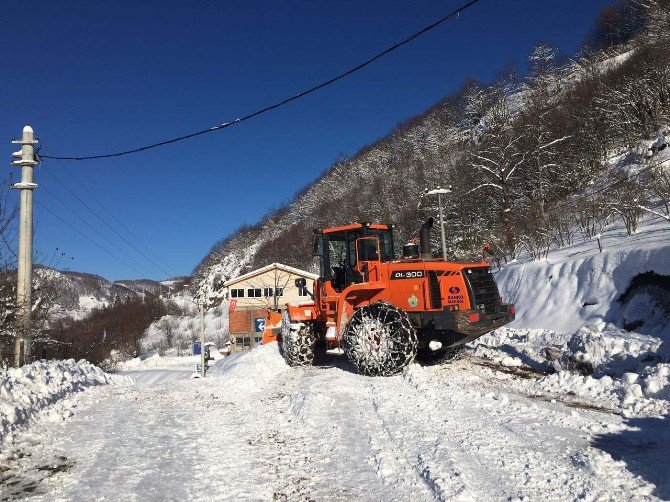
<point>439,191</point>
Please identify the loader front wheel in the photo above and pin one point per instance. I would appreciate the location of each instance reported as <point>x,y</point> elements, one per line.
<point>380,340</point>
<point>297,342</point>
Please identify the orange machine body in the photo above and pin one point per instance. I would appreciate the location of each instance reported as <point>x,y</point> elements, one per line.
<point>272,326</point>
<point>453,302</point>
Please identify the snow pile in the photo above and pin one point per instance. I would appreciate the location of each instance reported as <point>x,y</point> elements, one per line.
<point>612,351</point>
<point>593,350</point>
<point>578,286</point>
<point>603,364</point>
<point>644,394</point>
<point>536,348</point>
<point>656,381</point>
<point>250,370</point>
<point>27,390</point>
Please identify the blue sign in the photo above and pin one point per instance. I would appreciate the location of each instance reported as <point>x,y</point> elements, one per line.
<point>259,323</point>
<point>196,348</point>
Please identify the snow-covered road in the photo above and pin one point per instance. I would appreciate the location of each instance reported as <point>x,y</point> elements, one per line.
<point>257,430</point>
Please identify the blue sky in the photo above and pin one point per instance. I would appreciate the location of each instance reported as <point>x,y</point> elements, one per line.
<point>93,77</point>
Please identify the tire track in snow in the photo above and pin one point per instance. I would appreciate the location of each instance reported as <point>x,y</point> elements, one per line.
<point>444,483</point>
<point>502,447</point>
<point>329,415</point>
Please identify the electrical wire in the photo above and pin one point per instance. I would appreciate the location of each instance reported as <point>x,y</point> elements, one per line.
<point>117,220</point>
<point>87,237</point>
<point>455,13</point>
<point>158,267</point>
<point>100,234</point>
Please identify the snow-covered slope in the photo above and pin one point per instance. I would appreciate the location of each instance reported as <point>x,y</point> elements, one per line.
<point>77,293</point>
<point>578,285</point>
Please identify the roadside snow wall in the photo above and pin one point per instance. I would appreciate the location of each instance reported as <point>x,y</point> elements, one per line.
<point>566,292</point>
<point>27,390</point>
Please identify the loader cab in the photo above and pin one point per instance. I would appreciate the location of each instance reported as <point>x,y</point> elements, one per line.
<point>346,253</point>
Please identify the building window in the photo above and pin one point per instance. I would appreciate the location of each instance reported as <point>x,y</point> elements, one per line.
<point>237,293</point>
<point>279,292</point>
<point>254,292</point>
<point>303,292</point>
<point>267,292</point>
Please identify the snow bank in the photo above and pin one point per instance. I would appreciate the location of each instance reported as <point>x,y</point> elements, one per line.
<point>593,350</point>
<point>603,364</point>
<point>578,285</point>
<point>537,348</point>
<point>610,352</point>
<point>250,370</point>
<point>644,394</point>
<point>27,390</point>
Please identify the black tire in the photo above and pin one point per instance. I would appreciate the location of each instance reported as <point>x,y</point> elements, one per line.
<point>297,341</point>
<point>445,356</point>
<point>380,340</point>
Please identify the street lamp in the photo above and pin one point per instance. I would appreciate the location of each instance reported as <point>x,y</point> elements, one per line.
<point>439,191</point>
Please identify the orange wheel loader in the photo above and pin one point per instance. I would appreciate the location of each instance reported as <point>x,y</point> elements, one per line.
<point>383,311</point>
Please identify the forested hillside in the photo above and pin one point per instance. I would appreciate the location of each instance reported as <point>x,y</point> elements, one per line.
<point>532,161</point>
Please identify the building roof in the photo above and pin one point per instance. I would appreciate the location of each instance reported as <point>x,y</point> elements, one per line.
<point>267,268</point>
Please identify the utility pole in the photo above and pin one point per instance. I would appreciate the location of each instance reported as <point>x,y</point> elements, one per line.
<point>202,338</point>
<point>26,156</point>
<point>440,192</point>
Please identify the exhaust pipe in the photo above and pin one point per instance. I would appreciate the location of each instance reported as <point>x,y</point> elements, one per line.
<point>424,239</point>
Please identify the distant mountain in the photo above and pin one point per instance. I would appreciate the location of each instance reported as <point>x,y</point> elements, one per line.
<point>77,293</point>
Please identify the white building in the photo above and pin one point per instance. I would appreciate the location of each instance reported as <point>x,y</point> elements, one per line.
<point>251,294</point>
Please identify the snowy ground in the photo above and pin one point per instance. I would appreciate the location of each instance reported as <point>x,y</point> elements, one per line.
<point>257,430</point>
<point>560,405</point>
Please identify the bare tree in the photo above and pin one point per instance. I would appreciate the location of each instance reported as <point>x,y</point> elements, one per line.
<point>498,160</point>
<point>271,286</point>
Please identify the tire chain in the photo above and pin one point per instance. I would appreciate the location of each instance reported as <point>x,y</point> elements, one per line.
<point>380,339</point>
<point>297,342</point>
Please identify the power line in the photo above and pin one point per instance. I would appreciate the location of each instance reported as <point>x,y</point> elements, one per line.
<point>114,245</point>
<point>117,220</point>
<point>158,267</point>
<point>86,237</point>
<point>454,13</point>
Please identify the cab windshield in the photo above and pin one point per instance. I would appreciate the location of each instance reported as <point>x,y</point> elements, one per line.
<point>338,253</point>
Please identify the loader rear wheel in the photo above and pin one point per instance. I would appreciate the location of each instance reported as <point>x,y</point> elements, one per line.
<point>380,340</point>
<point>297,342</point>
